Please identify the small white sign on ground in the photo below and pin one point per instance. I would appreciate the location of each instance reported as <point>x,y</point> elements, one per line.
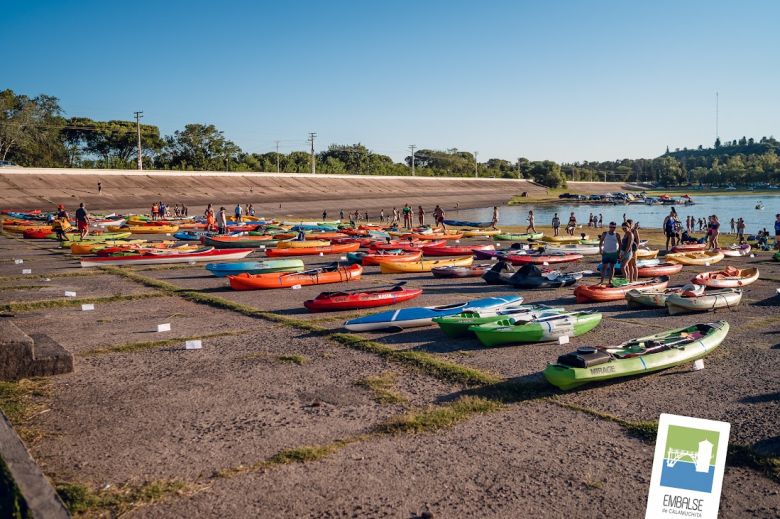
<point>321,254</point>
<point>87,307</point>
<point>26,271</point>
<point>343,258</point>
<point>69,293</point>
<point>563,339</point>
<point>698,365</point>
<point>296,287</point>
<point>165,327</point>
<point>18,261</point>
<point>193,344</point>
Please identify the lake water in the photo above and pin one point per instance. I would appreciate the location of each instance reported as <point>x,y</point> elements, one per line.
<point>649,216</point>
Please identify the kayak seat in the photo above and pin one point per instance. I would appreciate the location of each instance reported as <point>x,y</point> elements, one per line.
<point>584,358</point>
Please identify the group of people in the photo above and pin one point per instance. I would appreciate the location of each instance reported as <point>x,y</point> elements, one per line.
<point>571,225</point>
<point>61,222</point>
<point>407,214</point>
<point>615,248</point>
<point>596,221</point>
<point>675,234</point>
<point>161,211</point>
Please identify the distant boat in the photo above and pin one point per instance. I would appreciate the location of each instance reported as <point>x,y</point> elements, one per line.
<point>760,206</point>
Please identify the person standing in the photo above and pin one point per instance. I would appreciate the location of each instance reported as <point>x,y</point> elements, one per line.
<point>407,212</point>
<point>183,210</point>
<point>590,221</point>
<point>740,228</point>
<point>627,256</point>
<point>438,217</point>
<point>222,220</point>
<point>601,221</point>
<point>777,231</point>
<point>341,215</point>
<point>82,220</point>
<point>609,245</point>
<point>556,224</point>
<point>733,226</point>
<point>61,223</point>
<point>251,210</point>
<point>211,221</point>
<point>381,216</point>
<point>714,232</point>
<point>238,211</point>
<point>324,214</point>
<point>571,225</point>
<point>161,210</point>
<point>531,222</point>
<point>494,219</point>
<point>669,226</point>
<point>155,210</point>
<point>100,188</point>
<point>421,215</point>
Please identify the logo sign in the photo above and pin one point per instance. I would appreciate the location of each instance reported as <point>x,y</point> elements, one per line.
<point>690,456</point>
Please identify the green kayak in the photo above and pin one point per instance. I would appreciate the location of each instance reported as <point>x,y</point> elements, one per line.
<point>517,237</point>
<point>458,325</point>
<point>776,256</point>
<point>637,356</point>
<point>92,238</point>
<point>545,328</point>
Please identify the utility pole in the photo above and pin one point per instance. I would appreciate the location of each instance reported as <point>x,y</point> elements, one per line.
<point>476,165</point>
<point>138,116</point>
<point>717,133</point>
<point>412,147</point>
<point>277,157</point>
<point>312,135</point>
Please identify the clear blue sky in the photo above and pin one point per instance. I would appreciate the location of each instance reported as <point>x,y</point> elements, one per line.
<point>566,80</point>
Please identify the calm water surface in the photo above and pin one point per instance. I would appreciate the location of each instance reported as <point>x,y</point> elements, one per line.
<point>649,216</point>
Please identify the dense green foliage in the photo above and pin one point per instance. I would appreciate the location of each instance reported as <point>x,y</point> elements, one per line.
<point>33,132</point>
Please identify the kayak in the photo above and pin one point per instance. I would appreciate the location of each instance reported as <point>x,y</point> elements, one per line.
<point>237,242</point>
<point>736,251</point>
<point>405,245</point>
<point>324,235</point>
<point>94,238</point>
<point>379,257</point>
<point>463,223</point>
<point>454,250</point>
<point>695,258</point>
<point>636,356</point>
<point>646,254</point>
<point>585,250</point>
<point>476,233</point>
<point>255,267</point>
<point>640,264</point>
<point>603,292</point>
<point>144,229</point>
<point>90,247</point>
<point>518,236</point>
<point>295,244</point>
<point>462,323</point>
<point>730,277</point>
<point>454,271</point>
<point>393,267</point>
<point>167,257</point>
<point>661,269</point>
<point>546,328</point>
<point>434,236</point>
<point>689,247</point>
<point>531,277</point>
<point>311,251</point>
<point>657,298</point>
<point>423,316</point>
<point>705,302</point>
<point>320,276</point>
<point>351,300</point>
<point>189,235</point>
<point>565,239</point>
<point>540,258</point>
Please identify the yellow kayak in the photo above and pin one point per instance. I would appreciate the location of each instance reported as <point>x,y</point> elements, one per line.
<point>94,238</point>
<point>480,232</point>
<point>694,258</point>
<point>565,239</point>
<point>646,254</point>
<point>391,267</point>
<point>301,244</point>
<point>86,247</point>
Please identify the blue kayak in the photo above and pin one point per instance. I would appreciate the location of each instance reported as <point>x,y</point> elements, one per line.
<point>188,235</point>
<point>463,223</point>
<point>255,267</point>
<point>423,315</point>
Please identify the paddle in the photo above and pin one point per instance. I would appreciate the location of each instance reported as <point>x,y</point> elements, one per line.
<point>674,342</point>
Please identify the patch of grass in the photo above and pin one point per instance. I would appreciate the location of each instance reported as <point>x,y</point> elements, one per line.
<point>744,456</point>
<point>300,360</point>
<point>383,388</point>
<point>440,417</point>
<point>422,361</point>
<point>644,430</point>
<point>54,275</point>
<point>29,306</point>
<point>115,501</point>
<point>18,399</point>
<point>131,347</point>
<point>24,287</point>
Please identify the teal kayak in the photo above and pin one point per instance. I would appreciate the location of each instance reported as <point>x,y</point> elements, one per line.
<point>544,328</point>
<point>460,324</point>
<point>636,356</point>
<point>255,267</point>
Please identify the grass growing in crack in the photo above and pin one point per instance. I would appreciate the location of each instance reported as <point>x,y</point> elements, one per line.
<point>644,430</point>
<point>24,287</point>
<point>20,401</point>
<point>300,360</point>
<point>382,388</point>
<point>29,306</point>
<point>131,347</point>
<point>439,417</point>
<point>114,501</point>
<point>54,275</point>
<point>744,456</point>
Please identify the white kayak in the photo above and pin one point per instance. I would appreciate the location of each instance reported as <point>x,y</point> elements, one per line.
<point>708,301</point>
<point>574,248</point>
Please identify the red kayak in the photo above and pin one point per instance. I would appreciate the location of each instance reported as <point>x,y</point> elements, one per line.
<point>37,234</point>
<point>540,259</point>
<point>598,293</point>
<point>689,247</point>
<point>405,245</point>
<point>662,269</point>
<point>455,250</point>
<point>379,257</point>
<point>351,300</point>
<point>312,251</point>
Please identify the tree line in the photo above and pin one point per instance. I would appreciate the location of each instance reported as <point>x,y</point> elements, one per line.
<point>35,133</point>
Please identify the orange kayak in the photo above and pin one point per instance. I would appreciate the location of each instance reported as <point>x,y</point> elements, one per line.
<point>312,251</point>
<point>288,279</point>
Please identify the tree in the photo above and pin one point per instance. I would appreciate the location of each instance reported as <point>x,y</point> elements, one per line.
<point>717,143</point>
<point>548,173</point>
<point>30,130</point>
<point>114,142</point>
<point>199,147</point>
